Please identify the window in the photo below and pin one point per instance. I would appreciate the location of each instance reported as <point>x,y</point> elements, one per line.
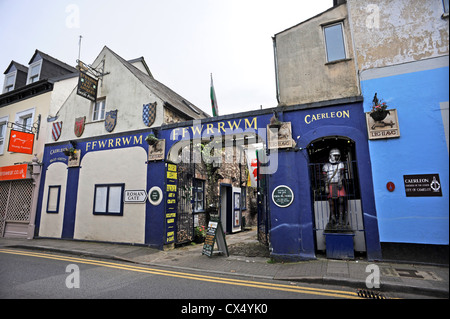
<point>445,3</point>
<point>34,71</point>
<point>24,120</point>
<point>10,79</point>
<point>53,199</point>
<point>199,198</point>
<point>108,199</point>
<point>98,112</point>
<point>3,126</point>
<point>334,41</point>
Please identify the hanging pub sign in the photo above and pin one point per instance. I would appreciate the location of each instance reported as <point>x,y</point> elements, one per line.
<point>87,86</point>
<point>171,202</point>
<point>21,142</point>
<point>422,185</point>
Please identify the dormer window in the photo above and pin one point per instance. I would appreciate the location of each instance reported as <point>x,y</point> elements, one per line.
<point>34,71</point>
<point>10,80</point>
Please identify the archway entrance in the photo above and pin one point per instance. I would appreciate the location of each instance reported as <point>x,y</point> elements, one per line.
<point>218,179</point>
<point>342,210</point>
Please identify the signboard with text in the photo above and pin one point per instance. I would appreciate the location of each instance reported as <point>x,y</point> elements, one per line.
<point>214,234</point>
<point>21,142</point>
<point>171,202</point>
<point>87,87</point>
<point>282,196</point>
<point>13,172</point>
<point>422,185</point>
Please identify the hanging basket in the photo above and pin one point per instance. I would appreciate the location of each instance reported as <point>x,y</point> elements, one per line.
<point>151,139</point>
<point>379,115</point>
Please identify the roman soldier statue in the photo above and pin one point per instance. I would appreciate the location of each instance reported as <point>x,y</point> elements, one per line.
<point>333,172</point>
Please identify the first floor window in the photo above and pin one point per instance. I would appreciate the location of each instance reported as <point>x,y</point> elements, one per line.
<point>99,110</point>
<point>334,41</point>
<point>108,199</point>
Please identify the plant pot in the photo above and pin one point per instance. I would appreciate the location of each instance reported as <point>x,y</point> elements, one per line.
<point>151,139</point>
<point>379,115</point>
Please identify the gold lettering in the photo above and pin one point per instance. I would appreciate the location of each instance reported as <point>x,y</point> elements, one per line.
<point>346,113</point>
<point>333,115</point>
<point>110,143</point>
<point>185,130</point>
<point>235,125</point>
<point>174,133</point>
<point>88,144</point>
<point>126,140</point>
<point>220,127</point>
<point>117,141</point>
<point>249,124</point>
<point>339,114</point>
<point>137,141</point>
<point>209,129</point>
<point>93,144</point>
<point>306,119</point>
<point>197,129</point>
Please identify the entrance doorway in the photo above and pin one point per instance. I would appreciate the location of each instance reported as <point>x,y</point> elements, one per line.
<point>230,208</point>
<point>319,156</point>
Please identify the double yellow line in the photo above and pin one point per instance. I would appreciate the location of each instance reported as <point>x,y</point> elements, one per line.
<point>220,280</point>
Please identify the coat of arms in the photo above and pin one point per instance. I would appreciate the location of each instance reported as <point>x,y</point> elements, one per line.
<point>110,120</point>
<point>56,130</point>
<point>149,113</point>
<point>79,125</point>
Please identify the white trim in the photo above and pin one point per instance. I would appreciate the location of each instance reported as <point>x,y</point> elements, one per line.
<point>30,67</point>
<point>23,114</point>
<point>5,120</point>
<point>11,74</point>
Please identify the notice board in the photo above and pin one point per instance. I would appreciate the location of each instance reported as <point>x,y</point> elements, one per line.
<point>215,234</point>
<point>171,202</point>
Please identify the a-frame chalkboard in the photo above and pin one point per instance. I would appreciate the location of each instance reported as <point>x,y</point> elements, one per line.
<point>215,234</point>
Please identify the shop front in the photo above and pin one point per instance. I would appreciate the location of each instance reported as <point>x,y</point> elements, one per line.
<point>128,187</point>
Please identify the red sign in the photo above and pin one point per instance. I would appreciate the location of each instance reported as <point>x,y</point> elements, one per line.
<point>13,172</point>
<point>21,142</point>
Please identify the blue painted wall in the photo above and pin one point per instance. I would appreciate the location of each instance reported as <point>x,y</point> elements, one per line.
<point>421,149</point>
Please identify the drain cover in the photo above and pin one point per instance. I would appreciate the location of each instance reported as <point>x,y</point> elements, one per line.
<point>369,294</point>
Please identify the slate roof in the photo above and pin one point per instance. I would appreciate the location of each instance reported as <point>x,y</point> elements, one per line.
<point>172,99</point>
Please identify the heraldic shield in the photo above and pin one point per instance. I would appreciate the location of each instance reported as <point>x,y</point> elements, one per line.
<point>56,130</point>
<point>110,120</point>
<point>149,113</point>
<point>79,125</point>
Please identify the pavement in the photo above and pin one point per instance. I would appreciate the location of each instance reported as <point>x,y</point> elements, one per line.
<point>422,279</point>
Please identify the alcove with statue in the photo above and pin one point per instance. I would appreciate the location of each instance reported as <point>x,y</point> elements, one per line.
<point>336,196</point>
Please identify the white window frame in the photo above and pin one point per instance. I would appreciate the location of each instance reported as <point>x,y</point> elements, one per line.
<point>3,127</point>
<point>21,116</point>
<point>99,115</point>
<point>324,27</point>
<point>12,87</point>
<point>31,66</point>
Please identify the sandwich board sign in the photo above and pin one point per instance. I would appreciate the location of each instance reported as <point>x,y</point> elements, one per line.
<point>215,234</point>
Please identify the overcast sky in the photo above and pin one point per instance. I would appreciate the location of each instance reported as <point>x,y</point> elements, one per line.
<point>182,41</point>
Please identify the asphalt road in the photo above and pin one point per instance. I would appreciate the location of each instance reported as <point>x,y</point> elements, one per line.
<point>32,274</point>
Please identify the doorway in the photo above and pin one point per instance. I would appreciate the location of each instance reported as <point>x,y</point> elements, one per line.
<point>319,153</point>
<point>230,208</point>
